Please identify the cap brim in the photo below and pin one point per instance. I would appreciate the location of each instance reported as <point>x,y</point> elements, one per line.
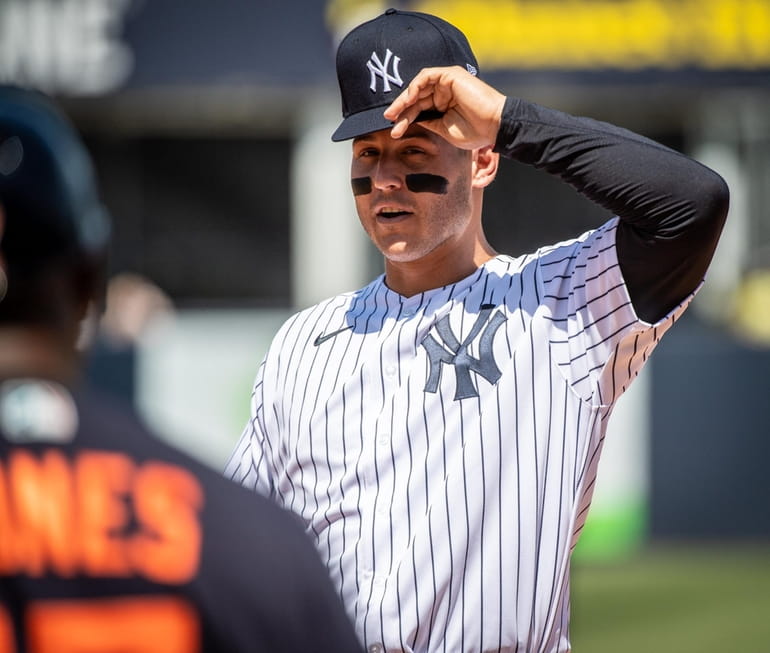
<point>372,120</point>
<point>363,122</point>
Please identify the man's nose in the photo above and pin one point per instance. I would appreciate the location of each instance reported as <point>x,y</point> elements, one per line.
<point>387,175</point>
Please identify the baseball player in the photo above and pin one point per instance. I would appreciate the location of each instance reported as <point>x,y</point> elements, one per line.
<point>438,431</point>
<point>111,541</point>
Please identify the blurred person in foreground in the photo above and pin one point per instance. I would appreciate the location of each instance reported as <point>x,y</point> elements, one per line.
<point>439,430</point>
<point>110,540</point>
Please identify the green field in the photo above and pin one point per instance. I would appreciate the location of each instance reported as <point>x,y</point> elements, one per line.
<point>674,599</point>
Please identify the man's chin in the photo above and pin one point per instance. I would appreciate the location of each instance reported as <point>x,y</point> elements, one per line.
<point>401,254</point>
<point>406,251</point>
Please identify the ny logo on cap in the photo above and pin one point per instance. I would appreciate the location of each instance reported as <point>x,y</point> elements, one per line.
<point>380,69</point>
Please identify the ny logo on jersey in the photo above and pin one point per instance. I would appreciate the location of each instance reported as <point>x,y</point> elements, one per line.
<point>454,352</point>
<point>380,69</point>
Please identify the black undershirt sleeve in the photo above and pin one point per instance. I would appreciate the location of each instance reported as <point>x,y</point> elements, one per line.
<point>671,208</point>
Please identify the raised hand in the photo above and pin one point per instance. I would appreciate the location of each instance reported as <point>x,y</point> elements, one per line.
<point>471,108</point>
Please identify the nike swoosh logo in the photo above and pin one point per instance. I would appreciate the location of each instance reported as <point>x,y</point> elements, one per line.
<point>323,337</point>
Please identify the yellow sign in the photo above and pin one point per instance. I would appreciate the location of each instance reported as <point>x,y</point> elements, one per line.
<point>612,34</point>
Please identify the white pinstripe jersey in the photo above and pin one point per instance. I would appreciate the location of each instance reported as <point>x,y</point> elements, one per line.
<point>442,449</point>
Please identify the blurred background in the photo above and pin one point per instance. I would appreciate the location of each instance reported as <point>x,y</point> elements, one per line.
<point>209,123</point>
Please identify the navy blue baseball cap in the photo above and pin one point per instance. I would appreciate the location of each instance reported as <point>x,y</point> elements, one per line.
<point>378,59</point>
<point>48,192</point>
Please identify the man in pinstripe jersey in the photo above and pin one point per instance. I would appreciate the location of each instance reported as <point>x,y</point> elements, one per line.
<point>439,430</point>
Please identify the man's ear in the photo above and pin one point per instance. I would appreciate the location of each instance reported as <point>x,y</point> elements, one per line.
<point>485,162</point>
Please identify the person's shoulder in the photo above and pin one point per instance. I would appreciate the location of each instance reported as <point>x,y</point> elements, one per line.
<point>107,420</point>
<point>108,423</point>
<point>338,300</point>
<point>335,304</point>
<point>599,237</point>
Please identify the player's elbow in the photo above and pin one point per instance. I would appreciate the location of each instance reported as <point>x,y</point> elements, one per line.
<point>713,201</point>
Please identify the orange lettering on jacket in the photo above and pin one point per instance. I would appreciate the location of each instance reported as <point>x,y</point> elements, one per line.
<point>36,507</point>
<point>125,625</point>
<point>102,483</point>
<point>167,500</point>
<point>101,514</point>
<point>7,641</point>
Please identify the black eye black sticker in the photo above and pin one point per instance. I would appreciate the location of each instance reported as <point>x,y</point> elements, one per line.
<point>361,185</point>
<point>427,183</point>
<point>417,183</point>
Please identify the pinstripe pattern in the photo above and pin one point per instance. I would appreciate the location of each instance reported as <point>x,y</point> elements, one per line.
<point>447,523</point>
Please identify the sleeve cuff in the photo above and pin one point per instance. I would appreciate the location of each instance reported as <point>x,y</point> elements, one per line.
<point>508,125</point>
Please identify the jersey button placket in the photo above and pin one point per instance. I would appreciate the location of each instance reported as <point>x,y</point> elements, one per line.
<point>383,454</point>
<point>383,464</point>
<point>384,491</point>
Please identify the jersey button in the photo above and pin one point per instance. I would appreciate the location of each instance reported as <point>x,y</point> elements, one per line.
<point>376,648</point>
<point>390,370</point>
